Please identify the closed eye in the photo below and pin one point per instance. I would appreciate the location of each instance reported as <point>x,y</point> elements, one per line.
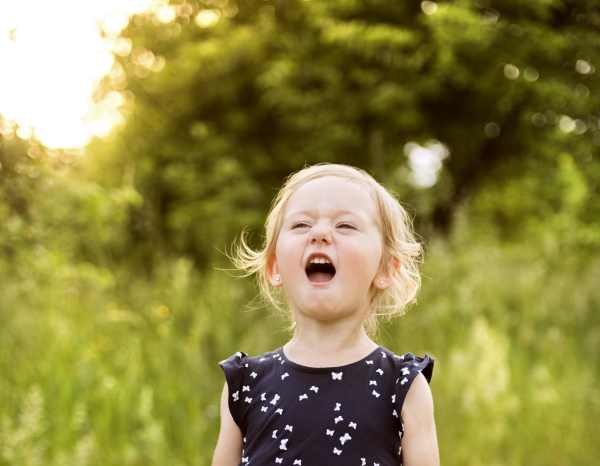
<point>300,225</point>
<point>346,225</point>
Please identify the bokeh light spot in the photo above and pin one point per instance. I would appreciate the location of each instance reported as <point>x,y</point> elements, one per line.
<point>114,23</point>
<point>162,311</point>
<point>159,64</point>
<point>515,30</point>
<point>492,130</point>
<point>207,18</point>
<point>166,14</point>
<point>580,127</point>
<point>531,74</point>
<point>511,71</point>
<point>230,11</point>
<point>490,16</point>
<point>538,119</point>
<point>566,124</point>
<point>429,7</point>
<point>582,91</point>
<point>425,163</point>
<point>583,67</point>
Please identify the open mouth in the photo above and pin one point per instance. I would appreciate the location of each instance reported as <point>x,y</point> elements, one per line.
<point>320,270</point>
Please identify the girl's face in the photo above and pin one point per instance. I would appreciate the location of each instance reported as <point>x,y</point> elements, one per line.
<point>329,250</point>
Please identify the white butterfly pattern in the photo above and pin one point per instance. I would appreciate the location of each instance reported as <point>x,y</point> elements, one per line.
<point>314,389</point>
<point>375,393</point>
<point>329,432</point>
<point>345,438</point>
<point>336,375</point>
<point>337,452</point>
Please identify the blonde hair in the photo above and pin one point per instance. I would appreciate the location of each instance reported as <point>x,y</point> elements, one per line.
<point>400,246</point>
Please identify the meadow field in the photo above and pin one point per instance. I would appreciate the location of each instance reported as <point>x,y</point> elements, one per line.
<point>104,367</point>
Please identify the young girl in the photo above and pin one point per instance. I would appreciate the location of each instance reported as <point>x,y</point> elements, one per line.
<point>339,254</point>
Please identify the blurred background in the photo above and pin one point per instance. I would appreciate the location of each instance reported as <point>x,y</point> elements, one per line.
<point>138,138</point>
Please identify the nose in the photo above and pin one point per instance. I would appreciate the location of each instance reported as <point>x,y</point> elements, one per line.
<point>320,234</point>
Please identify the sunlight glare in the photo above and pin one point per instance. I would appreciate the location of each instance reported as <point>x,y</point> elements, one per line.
<point>53,59</point>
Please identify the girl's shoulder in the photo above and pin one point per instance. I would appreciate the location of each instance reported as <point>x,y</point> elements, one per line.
<point>409,364</point>
<point>239,362</point>
<point>242,358</point>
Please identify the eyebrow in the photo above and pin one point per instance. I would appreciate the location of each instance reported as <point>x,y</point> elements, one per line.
<point>337,213</point>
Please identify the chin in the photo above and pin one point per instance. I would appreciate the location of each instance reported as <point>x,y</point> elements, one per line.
<point>324,313</point>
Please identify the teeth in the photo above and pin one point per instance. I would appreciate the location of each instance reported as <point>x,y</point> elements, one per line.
<point>317,260</point>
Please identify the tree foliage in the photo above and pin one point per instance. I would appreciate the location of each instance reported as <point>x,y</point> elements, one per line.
<point>272,86</point>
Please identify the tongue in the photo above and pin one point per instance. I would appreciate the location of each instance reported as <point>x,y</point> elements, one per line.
<point>320,277</point>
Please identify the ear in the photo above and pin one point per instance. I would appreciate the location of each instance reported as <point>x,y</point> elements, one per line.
<point>273,272</point>
<point>385,277</point>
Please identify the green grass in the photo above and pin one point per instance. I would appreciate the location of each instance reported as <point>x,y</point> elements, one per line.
<point>106,368</point>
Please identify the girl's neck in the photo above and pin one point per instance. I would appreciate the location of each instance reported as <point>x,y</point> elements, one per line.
<point>318,345</point>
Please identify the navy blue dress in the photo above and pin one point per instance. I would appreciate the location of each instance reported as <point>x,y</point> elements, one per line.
<point>295,415</point>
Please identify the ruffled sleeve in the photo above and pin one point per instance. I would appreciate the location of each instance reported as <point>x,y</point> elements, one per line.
<point>410,367</point>
<point>234,368</point>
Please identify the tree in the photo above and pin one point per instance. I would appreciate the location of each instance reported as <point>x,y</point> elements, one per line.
<point>251,91</point>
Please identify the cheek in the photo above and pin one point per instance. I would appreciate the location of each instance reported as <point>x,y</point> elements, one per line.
<point>368,261</point>
<point>287,256</point>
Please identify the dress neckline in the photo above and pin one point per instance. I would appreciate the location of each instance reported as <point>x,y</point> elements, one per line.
<point>299,367</point>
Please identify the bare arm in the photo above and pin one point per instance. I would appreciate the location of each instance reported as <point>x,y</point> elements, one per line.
<point>419,444</point>
<point>230,444</point>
